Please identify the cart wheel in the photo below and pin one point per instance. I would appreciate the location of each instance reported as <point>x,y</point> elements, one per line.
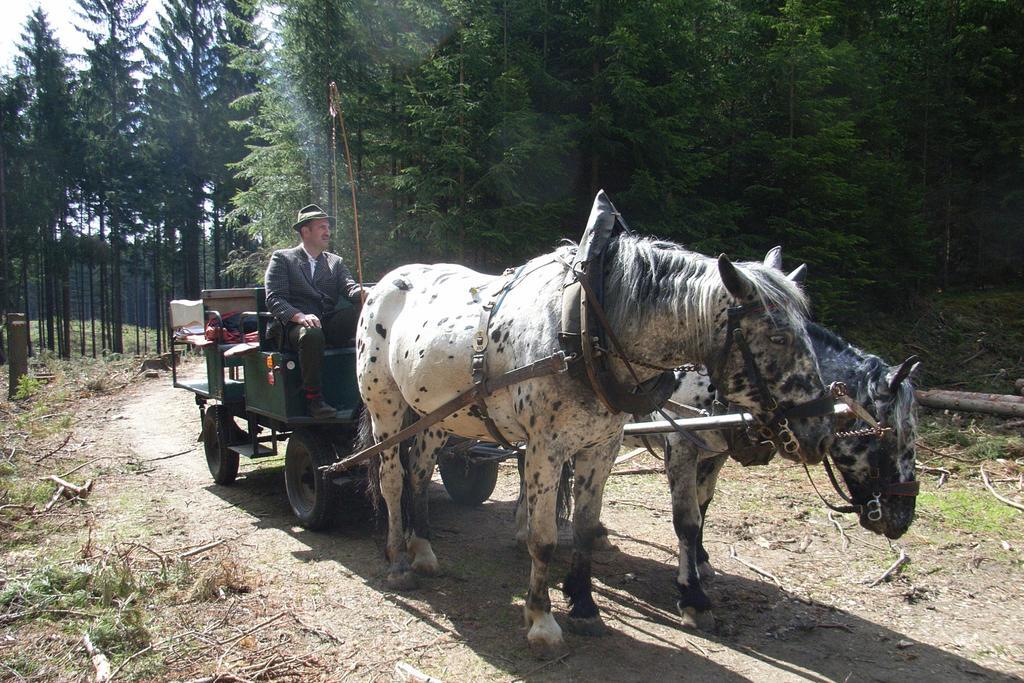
<point>218,427</point>
<point>313,498</point>
<point>467,482</point>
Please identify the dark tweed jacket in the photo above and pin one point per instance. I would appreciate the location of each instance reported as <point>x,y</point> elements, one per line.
<point>289,290</point>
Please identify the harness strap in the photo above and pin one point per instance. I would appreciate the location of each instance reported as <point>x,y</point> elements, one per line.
<point>650,394</point>
<point>556,363</point>
<point>478,362</point>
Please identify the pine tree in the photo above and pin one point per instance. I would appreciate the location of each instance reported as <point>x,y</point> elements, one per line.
<point>110,102</point>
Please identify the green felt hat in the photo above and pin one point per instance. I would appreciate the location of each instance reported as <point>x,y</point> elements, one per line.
<point>308,213</point>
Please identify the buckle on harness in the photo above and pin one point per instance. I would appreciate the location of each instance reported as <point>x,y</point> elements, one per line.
<point>874,507</point>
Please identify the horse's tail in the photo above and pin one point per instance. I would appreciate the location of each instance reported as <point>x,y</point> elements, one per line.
<point>364,439</point>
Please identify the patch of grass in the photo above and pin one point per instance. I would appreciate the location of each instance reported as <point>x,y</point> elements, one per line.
<point>120,632</point>
<point>970,511</point>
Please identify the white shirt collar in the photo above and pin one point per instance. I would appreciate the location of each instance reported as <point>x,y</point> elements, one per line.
<point>308,255</point>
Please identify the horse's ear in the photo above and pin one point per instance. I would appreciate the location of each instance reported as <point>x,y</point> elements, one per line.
<point>733,279</point>
<point>799,274</point>
<point>773,259</point>
<point>905,370</point>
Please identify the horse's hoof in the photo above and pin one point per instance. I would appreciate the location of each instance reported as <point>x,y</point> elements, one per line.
<point>602,543</point>
<point>590,626</point>
<point>402,581</point>
<point>545,635</point>
<point>544,649</point>
<point>700,620</point>
<point>706,571</point>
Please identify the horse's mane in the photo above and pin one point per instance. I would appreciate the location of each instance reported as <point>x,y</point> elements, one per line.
<point>871,372</point>
<point>644,276</point>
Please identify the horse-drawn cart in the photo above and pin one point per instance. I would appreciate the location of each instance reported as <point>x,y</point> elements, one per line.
<point>250,399</point>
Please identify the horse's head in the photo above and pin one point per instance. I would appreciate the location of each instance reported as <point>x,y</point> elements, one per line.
<point>765,363</point>
<point>879,470</point>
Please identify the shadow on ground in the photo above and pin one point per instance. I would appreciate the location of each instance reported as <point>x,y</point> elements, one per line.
<point>771,632</point>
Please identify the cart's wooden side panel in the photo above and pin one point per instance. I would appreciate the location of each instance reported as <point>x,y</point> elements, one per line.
<point>274,383</point>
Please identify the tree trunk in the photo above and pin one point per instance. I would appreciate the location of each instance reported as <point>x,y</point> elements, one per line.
<point>116,312</point>
<point>217,260</point>
<point>104,308</point>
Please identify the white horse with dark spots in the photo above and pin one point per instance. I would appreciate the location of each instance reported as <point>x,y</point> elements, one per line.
<point>666,305</point>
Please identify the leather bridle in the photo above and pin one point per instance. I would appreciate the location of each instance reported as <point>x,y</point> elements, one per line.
<point>876,483</point>
<point>776,428</point>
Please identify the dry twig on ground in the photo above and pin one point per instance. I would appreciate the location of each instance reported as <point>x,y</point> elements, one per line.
<point>992,490</point>
<point>757,570</point>
<point>894,569</point>
<point>842,533</point>
<point>55,450</point>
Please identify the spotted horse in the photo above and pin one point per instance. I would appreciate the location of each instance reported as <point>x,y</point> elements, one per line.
<point>667,306</point>
<point>878,470</point>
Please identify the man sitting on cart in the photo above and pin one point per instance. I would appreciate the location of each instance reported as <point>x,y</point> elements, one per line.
<point>312,295</point>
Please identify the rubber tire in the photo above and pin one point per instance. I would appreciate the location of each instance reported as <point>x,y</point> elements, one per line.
<point>312,497</point>
<point>217,426</point>
<point>467,484</point>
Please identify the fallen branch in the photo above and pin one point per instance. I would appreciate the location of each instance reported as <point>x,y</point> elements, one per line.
<point>842,533</point>
<point>88,462</point>
<point>639,470</point>
<point>201,549</point>
<point>628,456</point>
<point>255,628</point>
<point>965,401</point>
<point>55,450</point>
<point>902,560</point>
<point>53,500</point>
<point>543,666</point>
<point>168,457</point>
<point>405,673</point>
<point>753,568</point>
<point>943,473</point>
<point>942,454</point>
<point>71,490</point>
<point>100,664</point>
<point>991,489</point>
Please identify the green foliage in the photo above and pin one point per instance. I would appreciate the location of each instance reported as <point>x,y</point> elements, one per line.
<point>879,143</point>
<point>28,386</point>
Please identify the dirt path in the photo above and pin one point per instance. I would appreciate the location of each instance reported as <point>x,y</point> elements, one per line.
<point>954,614</point>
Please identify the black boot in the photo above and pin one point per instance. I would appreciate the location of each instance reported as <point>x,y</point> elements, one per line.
<point>321,409</point>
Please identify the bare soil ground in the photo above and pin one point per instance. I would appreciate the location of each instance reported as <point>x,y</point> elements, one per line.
<point>288,603</point>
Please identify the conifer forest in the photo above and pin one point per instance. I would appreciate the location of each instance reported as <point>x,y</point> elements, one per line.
<point>879,142</point>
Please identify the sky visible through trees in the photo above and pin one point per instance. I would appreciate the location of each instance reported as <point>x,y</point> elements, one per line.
<point>881,143</point>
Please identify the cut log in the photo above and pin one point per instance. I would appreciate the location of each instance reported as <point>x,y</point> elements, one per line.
<point>977,396</point>
<point>970,402</point>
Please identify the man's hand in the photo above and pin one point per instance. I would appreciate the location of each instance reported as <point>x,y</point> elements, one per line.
<point>306,320</point>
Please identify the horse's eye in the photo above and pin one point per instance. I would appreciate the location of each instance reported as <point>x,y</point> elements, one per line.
<point>777,338</point>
